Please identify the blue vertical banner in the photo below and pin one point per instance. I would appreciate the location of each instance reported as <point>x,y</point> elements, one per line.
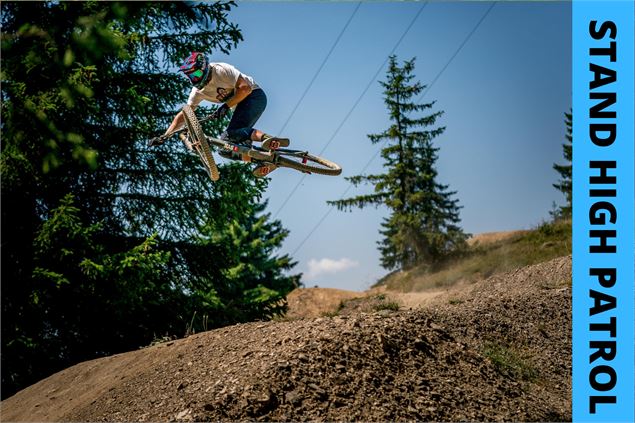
<point>603,200</point>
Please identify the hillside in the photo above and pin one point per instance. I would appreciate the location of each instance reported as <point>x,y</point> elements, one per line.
<point>495,349</point>
<point>488,254</point>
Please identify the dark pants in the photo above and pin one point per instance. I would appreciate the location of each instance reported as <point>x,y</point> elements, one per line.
<point>245,115</point>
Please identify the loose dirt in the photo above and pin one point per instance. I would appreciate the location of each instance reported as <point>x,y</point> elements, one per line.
<point>495,350</point>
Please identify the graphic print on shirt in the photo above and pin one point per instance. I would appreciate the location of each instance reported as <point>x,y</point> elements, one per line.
<point>223,94</point>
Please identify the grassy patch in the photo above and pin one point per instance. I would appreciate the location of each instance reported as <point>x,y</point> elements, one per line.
<point>386,305</point>
<point>510,364</point>
<point>546,242</point>
<point>337,311</point>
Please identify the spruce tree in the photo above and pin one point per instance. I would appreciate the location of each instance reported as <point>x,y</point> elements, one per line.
<point>564,185</point>
<point>254,279</point>
<point>84,86</point>
<point>422,227</point>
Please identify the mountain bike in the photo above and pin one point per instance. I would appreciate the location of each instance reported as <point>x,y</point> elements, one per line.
<point>195,140</point>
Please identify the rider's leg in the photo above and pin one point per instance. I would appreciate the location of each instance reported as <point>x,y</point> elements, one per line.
<point>258,135</point>
<point>241,124</point>
<point>247,113</point>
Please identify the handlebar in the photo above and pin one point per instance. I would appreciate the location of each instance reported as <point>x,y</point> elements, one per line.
<point>163,138</point>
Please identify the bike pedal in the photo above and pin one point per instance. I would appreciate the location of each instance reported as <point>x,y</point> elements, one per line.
<point>264,170</point>
<point>275,143</point>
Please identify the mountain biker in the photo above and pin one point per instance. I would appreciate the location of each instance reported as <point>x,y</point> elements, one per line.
<point>223,83</point>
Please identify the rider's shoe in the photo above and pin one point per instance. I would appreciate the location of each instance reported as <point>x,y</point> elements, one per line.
<point>270,142</point>
<point>264,170</point>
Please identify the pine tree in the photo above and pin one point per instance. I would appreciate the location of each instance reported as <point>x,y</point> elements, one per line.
<point>565,183</point>
<point>87,301</point>
<point>254,280</point>
<point>84,85</point>
<point>423,224</point>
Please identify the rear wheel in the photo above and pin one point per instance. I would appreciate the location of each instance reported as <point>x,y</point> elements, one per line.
<point>200,142</point>
<point>308,163</point>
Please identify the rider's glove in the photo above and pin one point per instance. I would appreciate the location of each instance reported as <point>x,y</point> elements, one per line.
<point>220,112</point>
<point>156,141</point>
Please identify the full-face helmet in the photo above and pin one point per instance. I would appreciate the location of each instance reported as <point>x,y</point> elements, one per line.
<point>196,68</point>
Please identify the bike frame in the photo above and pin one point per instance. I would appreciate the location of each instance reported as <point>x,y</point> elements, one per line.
<point>195,139</point>
<point>255,152</point>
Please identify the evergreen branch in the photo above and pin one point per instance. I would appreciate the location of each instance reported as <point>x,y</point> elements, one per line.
<point>360,201</point>
<point>360,179</point>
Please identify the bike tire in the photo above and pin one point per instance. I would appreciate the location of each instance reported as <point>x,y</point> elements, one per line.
<point>196,132</point>
<point>318,164</point>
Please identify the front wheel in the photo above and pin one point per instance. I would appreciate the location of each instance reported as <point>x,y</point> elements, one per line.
<point>200,142</point>
<point>308,163</point>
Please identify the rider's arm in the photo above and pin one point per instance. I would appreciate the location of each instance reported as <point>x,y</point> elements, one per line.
<point>242,90</point>
<point>177,122</point>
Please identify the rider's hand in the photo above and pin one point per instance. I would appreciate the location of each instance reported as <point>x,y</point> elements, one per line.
<point>220,112</point>
<point>156,141</point>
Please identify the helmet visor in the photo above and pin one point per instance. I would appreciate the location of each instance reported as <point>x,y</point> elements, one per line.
<point>196,76</point>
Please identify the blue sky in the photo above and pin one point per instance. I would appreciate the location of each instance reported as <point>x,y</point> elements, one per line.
<point>504,95</point>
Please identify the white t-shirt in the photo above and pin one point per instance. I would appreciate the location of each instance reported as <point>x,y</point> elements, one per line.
<point>221,85</point>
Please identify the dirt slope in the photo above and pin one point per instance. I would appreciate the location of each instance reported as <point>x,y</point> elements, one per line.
<point>321,302</point>
<point>492,237</point>
<point>315,302</point>
<point>497,350</point>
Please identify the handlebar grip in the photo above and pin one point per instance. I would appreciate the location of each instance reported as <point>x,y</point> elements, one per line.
<point>158,140</point>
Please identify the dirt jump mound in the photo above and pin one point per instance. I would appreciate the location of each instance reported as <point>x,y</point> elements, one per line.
<point>496,350</point>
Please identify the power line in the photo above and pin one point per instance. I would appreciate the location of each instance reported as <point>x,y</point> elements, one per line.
<point>341,197</point>
<point>457,51</point>
<point>359,99</point>
<point>370,83</point>
<point>379,150</point>
<point>337,40</point>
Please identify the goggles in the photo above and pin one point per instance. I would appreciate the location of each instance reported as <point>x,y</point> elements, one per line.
<point>196,76</point>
